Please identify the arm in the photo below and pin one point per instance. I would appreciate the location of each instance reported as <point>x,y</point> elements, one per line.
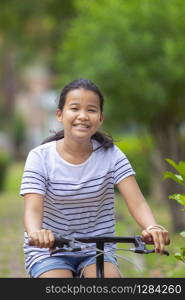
<point>33,216</point>
<point>136,202</point>
<point>33,212</point>
<point>142,213</point>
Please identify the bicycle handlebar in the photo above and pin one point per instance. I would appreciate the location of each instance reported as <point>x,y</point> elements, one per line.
<point>140,246</point>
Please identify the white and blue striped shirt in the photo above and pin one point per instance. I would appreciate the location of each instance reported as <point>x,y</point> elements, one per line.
<point>79,199</point>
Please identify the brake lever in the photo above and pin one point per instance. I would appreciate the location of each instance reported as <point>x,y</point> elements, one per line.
<point>140,247</point>
<point>61,242</point>
<point>65,250</point>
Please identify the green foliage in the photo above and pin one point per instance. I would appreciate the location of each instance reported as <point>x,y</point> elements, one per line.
<point>180,198</point>
<point>20,21</point>
<point>18,129</point>
<point>13,178</point>
<point>138,151</point>
<point>182,233</point>
<point>175,177</point>
<point>181,256</point>
<point>29,33</point>
<point>180,178</point>
<point>133,50</point>
<point>5,160</point>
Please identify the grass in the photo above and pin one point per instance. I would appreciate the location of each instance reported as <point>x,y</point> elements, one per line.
<point>11,232</point>
<point>11,226</point>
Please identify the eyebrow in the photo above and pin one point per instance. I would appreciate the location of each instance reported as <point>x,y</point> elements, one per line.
<point>92,105</point>
<point>76,103</point>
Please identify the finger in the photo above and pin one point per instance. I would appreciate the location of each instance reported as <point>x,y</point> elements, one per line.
<point>34,239</point>
<point>31,241</point>
<point>46,238</point>
<point>146,236</point>
<point>161,242</point>
<point>41,239</point>
<point>166,236</point>
<point>155,236</point>
<point>51,239</point>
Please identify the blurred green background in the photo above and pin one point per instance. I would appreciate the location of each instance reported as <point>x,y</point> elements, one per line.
<point>134,51</point>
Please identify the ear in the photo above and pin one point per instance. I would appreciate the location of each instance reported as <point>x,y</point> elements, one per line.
<point>101,118</point>
<point>59,115</point>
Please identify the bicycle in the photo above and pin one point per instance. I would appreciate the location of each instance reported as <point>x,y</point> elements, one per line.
<point>61,242</point>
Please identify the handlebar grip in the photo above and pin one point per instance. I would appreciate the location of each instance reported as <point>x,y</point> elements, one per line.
<point>153,251</point>
<point>60,241</point>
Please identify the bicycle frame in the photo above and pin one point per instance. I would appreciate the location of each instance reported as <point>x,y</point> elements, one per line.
<point>100,241</point>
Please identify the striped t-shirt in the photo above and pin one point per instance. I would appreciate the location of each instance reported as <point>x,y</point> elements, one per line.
<point>78,199</point>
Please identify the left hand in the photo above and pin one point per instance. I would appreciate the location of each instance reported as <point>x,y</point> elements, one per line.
<point>158,237</point>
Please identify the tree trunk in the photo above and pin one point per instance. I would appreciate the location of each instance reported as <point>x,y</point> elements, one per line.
<point>9,84</point>
<point>166,138</point>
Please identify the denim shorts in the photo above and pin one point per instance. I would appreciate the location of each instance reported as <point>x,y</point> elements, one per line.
<point>70,262</point>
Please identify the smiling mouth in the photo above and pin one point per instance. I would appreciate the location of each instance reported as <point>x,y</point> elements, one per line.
<point>81,125</point>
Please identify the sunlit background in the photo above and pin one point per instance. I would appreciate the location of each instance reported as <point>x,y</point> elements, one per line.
<point>134,52</point>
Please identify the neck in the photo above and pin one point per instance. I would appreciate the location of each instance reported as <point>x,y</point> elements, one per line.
<point>74,148</point>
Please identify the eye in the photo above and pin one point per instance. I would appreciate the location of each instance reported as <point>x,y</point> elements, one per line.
<point>92,110</point>
<point>74,108</point>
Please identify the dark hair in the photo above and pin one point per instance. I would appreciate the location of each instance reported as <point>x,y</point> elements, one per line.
<point>104,139</point>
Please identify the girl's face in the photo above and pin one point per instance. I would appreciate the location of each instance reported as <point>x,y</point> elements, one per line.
<point>81,115</point>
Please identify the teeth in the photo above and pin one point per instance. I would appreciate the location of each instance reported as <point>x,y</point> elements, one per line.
<point>81,125</point>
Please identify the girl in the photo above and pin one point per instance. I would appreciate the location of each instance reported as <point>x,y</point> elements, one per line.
<point>68,188</point>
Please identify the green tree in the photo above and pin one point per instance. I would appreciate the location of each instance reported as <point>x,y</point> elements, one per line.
<point>28,31</point>
<point>134,50</point>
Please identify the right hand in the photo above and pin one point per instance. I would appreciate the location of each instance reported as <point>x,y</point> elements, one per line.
<point>42,238</point>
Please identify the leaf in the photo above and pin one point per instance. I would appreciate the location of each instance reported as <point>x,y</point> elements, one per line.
<point>180,198</point>
<point>175,177</point>
<point>180,167</point>
<point>178,256</point>
<point>182,252</point>
<point>182,234</point>
<point>172,163</point>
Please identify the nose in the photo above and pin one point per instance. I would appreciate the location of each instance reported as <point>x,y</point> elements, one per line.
<point>82,115</point>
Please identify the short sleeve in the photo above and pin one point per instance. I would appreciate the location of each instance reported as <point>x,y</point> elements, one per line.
<point>122,168</point>
<point>34,175</point>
